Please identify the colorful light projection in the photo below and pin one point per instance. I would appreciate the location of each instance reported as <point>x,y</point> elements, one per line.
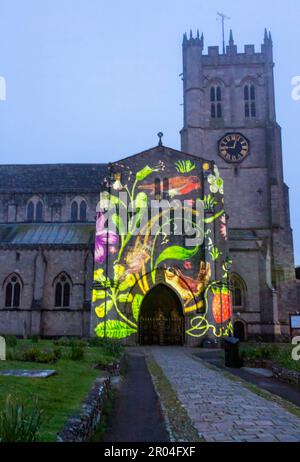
<point>136,258</point>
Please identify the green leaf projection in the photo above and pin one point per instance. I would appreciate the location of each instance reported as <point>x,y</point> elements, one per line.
<point>185,166</point>
<point>114,329</point>
<point>136,305</point>
<point>176,253</point>
<point>143,250</point>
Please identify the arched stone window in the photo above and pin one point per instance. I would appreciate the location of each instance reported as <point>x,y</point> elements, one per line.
<point>157,188</point>
<point>239,291</point>
<point>74,211</point>
<point>35,210</point>
<point>39,211</point>
<point>166,188</point>
<point>82,211</point>
<point>79,209</point>
<point>30,211</point>
<point>216,110</point>
<point>62,285</point>
<point>250,100</point>
<point>12,290</point>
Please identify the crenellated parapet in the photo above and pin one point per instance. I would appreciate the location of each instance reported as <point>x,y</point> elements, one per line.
<point>215,56</point>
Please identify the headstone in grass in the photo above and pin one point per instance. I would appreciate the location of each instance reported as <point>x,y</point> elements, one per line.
<point>29,374</point>
<point>2,349</point>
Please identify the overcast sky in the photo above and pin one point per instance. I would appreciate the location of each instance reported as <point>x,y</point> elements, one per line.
<point>94,80</point>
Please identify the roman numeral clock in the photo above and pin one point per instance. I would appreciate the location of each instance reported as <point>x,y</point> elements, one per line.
<point>234,147</point>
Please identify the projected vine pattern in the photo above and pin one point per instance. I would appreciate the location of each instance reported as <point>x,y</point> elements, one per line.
<point>137,259</point>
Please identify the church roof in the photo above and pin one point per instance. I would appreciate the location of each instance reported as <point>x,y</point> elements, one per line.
<point>51,178</point>
<point>162,150</point>
<point>44,234</point>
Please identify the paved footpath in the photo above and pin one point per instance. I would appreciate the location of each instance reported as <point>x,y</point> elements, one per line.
<point>137,415</point>
<point>221,409</point>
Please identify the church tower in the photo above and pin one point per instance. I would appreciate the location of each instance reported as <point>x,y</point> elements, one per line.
<point>230,118</point>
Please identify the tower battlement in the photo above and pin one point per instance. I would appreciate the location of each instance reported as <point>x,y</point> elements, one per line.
<point>232,56</point>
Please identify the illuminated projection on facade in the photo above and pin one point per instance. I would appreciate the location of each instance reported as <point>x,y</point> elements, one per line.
<point>161,265</point>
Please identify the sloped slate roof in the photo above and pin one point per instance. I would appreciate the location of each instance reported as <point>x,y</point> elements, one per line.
<point>36,234</point>
<point>51,178</point>
<point>55,178</point>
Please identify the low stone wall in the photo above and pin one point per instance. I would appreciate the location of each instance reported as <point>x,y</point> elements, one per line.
<point>281,373</point>
<point>81,428</point>
<point>286,375</point>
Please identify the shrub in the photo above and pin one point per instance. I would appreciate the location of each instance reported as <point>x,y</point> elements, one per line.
<point>70,342</point>
<point>10,356</point>
<point>62,342</point>
<point>80,343</point>
<point>77,353</point>
<point>96,342</point>
<point>30,355</point>
<point>58,353</point>
<point>35,355</point>
<point>18,424</point>
<point>112,347</point>
<point>11,341</point>
<point>46,357</point>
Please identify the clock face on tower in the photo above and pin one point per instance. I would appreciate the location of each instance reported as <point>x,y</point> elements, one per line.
<point>234,147</point>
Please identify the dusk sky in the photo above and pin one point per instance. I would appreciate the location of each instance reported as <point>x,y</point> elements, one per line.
<point>94,81</point>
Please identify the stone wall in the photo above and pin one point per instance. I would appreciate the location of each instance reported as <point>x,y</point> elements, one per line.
<point>81,428</point>
<point>56,206</point>
<point>281,373</point>
<point>37,313</point>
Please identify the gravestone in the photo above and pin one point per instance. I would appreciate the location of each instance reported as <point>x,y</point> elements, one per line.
<point>2,349</point>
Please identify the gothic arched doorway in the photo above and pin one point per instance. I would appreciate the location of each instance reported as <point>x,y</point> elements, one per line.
<point>161,319</point>
<point>239,331</point>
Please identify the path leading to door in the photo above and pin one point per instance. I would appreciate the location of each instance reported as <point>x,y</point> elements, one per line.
<point>137,415</point>
<point>221,409</point>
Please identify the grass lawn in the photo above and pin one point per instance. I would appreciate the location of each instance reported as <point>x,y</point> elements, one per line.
<point>279,353</point>
<point>60,395</point>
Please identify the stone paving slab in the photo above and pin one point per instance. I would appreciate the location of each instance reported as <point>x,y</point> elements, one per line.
<point>221,409</point>
<point>259,372</point>
<point>44,374</point>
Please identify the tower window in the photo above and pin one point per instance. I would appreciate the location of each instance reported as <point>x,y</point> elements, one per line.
<point>216,111</point>
<point>250,101</point>
<point>247,110</point>
<point>213,111</point>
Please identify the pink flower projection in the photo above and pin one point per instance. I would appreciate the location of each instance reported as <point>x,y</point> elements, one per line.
<point>103,238</point>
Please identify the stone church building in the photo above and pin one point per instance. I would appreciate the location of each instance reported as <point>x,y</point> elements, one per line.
<point>48,212</point>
